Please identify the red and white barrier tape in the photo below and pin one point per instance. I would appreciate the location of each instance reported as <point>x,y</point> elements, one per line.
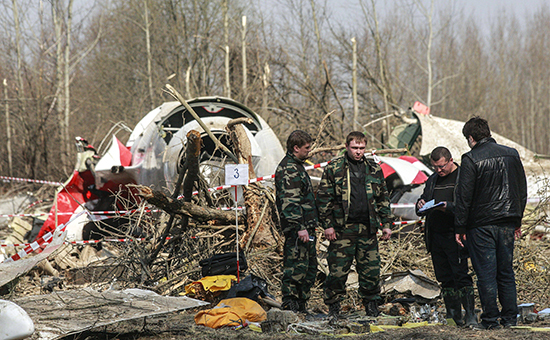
<point>15,179</point>
<point>122,240</point>
<point>43,241</point>
<point>117,213</point>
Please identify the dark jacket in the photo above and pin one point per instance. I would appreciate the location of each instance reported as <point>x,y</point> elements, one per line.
<point>333,196</point>
<point>294,197</point>
<point>492,187</point>
<point>428,195</point>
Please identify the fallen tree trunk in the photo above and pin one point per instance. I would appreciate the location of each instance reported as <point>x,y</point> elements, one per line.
<point>181,208</point>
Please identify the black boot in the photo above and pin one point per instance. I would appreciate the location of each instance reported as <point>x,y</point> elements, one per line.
<point>334,310</point>
<point>452,304</point>
<point>290,304</point>
<point>302,306</point>
<point>371,308</point>
<point>468,301</point>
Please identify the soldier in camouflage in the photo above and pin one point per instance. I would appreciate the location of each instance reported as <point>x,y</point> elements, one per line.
<point>299,218</point>
<point>353,204</point>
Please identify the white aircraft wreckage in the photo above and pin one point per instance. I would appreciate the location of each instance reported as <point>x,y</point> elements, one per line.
<point>100,188</point>
<point>153,156</point>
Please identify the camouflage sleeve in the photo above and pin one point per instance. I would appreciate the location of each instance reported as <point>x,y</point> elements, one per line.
<point>326,199</point>
<point>288,190</point>
<point>383,208</point>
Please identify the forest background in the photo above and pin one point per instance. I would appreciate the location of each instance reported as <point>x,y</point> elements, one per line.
<point>91,68</point>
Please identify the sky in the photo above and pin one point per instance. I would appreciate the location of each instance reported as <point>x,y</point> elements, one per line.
<point>484,10</point>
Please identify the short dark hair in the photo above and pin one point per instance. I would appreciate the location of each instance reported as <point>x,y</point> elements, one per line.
<point>476,127</point>
<point>357,136</point>
<point>439,152</point>
<point>297,138</point>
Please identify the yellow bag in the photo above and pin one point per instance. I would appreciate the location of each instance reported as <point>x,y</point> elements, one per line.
<point>231,312</point>
<point>212,283</point>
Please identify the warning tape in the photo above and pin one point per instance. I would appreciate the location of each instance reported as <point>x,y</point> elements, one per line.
<point>120,212</point>
<point>15,179</point>
<point>260,179</point>
<point>128,212</point>
<point>122,240</point>
<point>42,241</point>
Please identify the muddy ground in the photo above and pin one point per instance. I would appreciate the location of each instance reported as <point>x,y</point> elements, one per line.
<point>182,326</point>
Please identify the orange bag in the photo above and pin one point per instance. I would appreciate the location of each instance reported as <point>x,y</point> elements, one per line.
<point>231,312</point>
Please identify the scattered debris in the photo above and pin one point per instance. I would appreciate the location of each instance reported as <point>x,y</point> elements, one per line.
<point>413,282</point>
<point>15,323</point>
<point>74,311</point>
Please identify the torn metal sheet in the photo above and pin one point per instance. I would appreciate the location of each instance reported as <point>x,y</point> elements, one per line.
<point>14,269</point>
<point>413,282</point>
<point>64,313</point>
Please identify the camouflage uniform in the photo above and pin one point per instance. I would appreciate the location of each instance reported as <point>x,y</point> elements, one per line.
<point>353,240</point>
<point>298,211</point>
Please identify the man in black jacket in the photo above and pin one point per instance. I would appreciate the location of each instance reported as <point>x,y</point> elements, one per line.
<point>450,261</point>
<point>490,199</point>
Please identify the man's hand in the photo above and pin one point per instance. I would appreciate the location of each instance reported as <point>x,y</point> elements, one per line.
<point>517,233</point>
<point>303,236</point>
<point>330,234</point>
<point>386,234</point>
<point>420,204</point>
<point>442,207</point>
<point>459,238</point>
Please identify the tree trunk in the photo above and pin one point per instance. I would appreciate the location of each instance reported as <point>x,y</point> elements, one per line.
<point>226,47</point>
<point>245,95</point>
<point>66,81</point>
<point>8,129</point>
<point>192,153</point>
<point>149,55</point>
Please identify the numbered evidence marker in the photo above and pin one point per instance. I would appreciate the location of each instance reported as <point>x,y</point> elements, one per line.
<point>236,174</point>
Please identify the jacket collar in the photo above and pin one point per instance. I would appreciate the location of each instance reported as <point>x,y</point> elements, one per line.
<point>484,141</point>
<point>291,155</point>
<point>348,160</point>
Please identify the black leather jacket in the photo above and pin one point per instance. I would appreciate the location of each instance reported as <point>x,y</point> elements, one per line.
<point>491,188</point>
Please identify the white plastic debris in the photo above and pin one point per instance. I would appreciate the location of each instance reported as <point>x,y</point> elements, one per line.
<point>15,323</point>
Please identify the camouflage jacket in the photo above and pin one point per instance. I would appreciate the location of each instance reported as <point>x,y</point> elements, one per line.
<point>334,193</point>
<point>294,195</point>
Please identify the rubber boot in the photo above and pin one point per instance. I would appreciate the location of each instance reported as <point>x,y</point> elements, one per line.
<point>334,311</point>
<point>291,304</point>
<point>468,301</point>
<point>302,306</point>
<point>371,308</point>
<point>453,306</point>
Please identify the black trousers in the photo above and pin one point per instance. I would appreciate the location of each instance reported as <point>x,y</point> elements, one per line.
<point>492,250</point>
<point>450,261</point>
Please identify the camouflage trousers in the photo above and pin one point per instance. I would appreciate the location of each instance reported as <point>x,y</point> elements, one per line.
<point>299,267</point>
<point>354,242</point>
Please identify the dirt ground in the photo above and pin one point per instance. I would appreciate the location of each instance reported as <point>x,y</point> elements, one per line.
<point>182,326</point>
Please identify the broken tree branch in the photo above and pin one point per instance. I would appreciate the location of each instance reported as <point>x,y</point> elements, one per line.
<point>172,91</point>
<point>173,206</point>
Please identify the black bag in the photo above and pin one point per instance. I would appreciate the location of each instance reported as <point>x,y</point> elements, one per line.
<point>223,264</point>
